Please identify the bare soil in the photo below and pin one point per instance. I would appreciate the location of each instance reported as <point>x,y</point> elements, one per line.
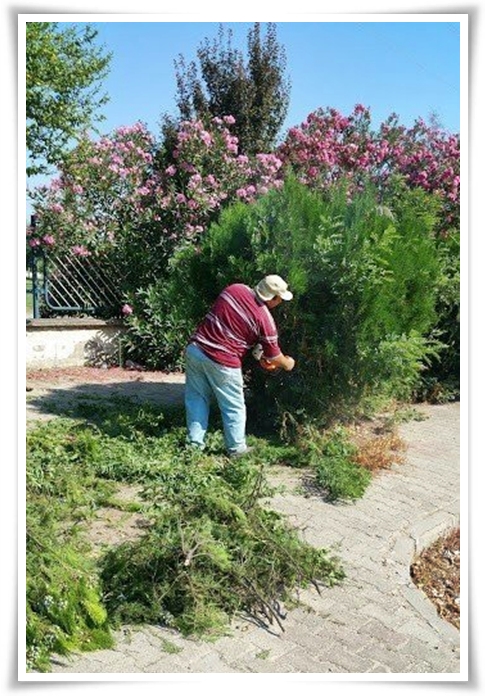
<point>95,375</point>
<point>436,571</point>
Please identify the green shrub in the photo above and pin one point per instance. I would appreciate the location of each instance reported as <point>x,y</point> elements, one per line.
<point>64,611</point>
<point>442,380</point>
<point>63,605</point>
<point>161,325</point>
<point>364,279</point>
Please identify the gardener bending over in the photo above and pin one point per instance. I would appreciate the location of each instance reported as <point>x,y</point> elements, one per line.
<point>238,319</point>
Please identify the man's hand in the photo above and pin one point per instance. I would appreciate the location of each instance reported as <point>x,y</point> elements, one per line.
<point>290,363</point>
<point>284,361</point>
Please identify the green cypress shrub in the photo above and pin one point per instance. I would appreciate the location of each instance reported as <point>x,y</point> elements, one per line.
<point>364,282</point>
<point>442,381</point>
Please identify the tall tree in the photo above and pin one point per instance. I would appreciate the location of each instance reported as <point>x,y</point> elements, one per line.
<point>64,70</point>
<point>255,92</point>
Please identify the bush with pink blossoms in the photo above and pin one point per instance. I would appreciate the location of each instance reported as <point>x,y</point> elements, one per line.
<point>329,147</point>
<point>206,172</point>
<point>96,201</point>
<point>136,202</point>
<point>127,198</point>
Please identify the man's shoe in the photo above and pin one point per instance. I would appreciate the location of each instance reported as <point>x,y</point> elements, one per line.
<point>194,447</point>
<point>242,453</point>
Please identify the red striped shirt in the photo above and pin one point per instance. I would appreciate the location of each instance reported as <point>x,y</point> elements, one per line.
<point>235,323</point>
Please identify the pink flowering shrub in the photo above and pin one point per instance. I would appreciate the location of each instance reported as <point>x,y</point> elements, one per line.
<point>329,148</point>
<point>124,192</point>
<point>206,172</point>
<point>137,202</point>
<point>125,197</point>
<point>98,195</point>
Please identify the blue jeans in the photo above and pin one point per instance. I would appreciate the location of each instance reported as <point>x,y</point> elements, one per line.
<point>205,378</point>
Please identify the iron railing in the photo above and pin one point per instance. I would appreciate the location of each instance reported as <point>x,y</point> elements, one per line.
<point>66,284</point>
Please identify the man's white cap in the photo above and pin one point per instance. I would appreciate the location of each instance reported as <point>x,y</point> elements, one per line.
<point>273,286</point>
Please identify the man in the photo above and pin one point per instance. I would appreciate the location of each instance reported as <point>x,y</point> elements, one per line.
<point>238,320</point>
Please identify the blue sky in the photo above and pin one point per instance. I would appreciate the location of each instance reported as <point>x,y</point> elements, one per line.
<point>411,67</point>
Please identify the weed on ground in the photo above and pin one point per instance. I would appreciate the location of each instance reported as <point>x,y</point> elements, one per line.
<point>208,549</point>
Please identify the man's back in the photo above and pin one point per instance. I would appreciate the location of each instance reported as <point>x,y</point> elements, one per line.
<point>235,322</point>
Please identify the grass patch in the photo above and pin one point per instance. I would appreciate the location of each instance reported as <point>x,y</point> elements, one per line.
<point>171,648</point>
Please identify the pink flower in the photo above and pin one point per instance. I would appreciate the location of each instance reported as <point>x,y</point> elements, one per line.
<point>127,310</point>
<point>187,167</point>
<point>79,250</point>
<point>194,181</point>
<point>206,138</point>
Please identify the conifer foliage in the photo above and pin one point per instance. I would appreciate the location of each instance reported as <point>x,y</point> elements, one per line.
<point>364,278</point>
<point>255,92</point>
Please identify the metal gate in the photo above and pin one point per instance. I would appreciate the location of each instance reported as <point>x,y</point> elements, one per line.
<point>68,284</point>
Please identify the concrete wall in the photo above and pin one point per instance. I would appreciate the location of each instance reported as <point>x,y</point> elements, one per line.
<point>72,342</point>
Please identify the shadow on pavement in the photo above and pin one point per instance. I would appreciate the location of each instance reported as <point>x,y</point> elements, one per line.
<point>46,401</point>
